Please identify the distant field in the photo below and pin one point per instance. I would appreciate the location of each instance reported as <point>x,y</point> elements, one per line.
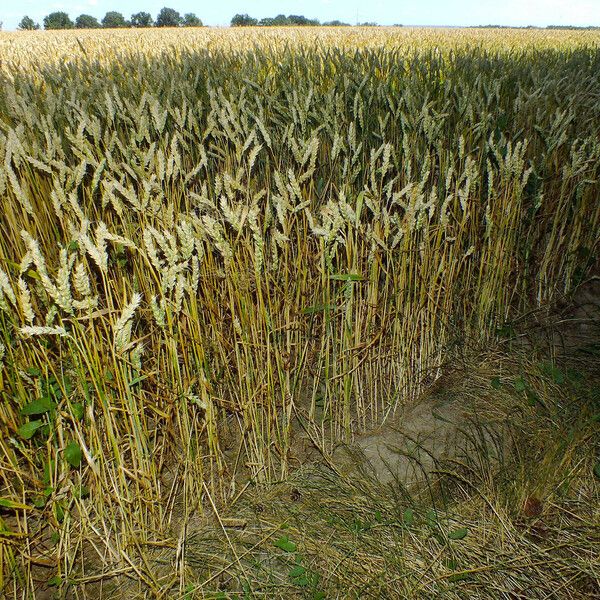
<point>213,241</point>
<point>20,48</point>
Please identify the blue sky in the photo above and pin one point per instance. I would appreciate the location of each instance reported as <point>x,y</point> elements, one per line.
<point>385,12</point>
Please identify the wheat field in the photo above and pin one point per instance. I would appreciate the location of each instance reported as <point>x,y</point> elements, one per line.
<point>214,242</point>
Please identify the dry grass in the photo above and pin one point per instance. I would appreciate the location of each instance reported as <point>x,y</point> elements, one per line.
<point>518,520</point>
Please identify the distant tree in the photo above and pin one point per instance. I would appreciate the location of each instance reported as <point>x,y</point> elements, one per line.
<point>301,20</point>
<point>243,21</point>
<point>267,22</point>
<point>86,22</point>
<point>58,20</point>
<point>168,17</point>
<point>114,20</point>
<point>141,19</point>
<point>28,24</point>
<point>191,20</point>
<point>336,23</point>
<point>281,20</point>
<point>368,24</point>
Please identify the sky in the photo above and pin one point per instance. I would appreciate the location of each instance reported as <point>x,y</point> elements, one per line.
<point>384,12</point>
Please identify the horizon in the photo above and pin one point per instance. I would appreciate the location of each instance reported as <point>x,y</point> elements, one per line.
<point>430,13</point>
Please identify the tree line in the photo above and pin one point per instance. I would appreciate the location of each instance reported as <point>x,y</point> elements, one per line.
<point>167,17</point>
<point>280,20</point>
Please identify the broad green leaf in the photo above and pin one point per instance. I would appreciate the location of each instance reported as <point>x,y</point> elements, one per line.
<point>297,571</point>
<point>73,454</point>
<point>285,544</point>
<point>38,407</point>
<point>408,518</point>
<point>496,383</point>
<point>597,469</point>
<point>520,384</point>
<point>431,518</point>
<point>27,430</point>
<point>458,534</point>
<point>77,410</point>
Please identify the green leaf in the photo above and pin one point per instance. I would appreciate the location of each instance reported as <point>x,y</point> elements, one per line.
<point>597,469</point>
<point>297,571</point>
<point>302,581</point>
<point>73,454</point>
<point>459,577</point>
<point>27,430</point>
<point>532,398</point>
<point>77,410</point>
<point>59,512</point>
<point>54,581</point>
<point>81,492</point>
<point>408,518</point>
<point>558,376</point>
<point>431,518</point>
<point>520,384</point>
<point>38,407</point>
<point>33,371</point>
<point>39,501</point>
<point>575,375</point>
<point>6,503</point>
<point>285,544</point>
<point>496,383</point>
<point>506,331</point>
<point>458,534</point>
